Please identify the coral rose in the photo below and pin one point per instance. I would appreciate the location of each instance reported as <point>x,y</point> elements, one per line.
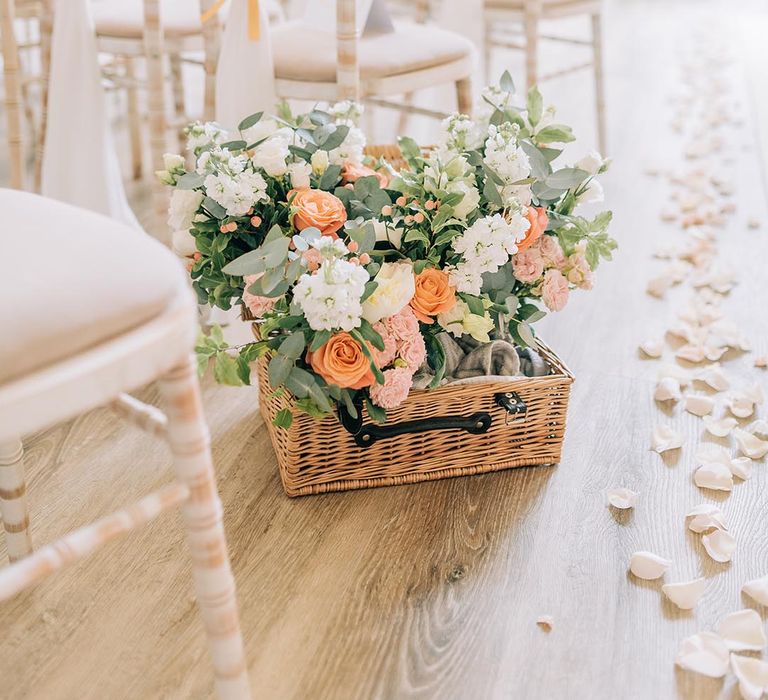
<point>434,295</point>
<point>353,172</point>
<point>319,209</point>
<point>341,361</point>
<point>538,220</point>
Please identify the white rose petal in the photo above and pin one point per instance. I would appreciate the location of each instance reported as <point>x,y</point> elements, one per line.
<point>652,348</point>
<point>715,476</point>
<point>592,162</point>
<point>683,376</point>
<point>699,405</point>
<point>759,429</point>
<point>658,286</point>
<point>387,232</point>
<point>719,427</point>
<point>750,445</point>
<point>757,589</point>
<point>622,498</point>
<point>710,452</point>
<point>741,467</point>
<point>668,389</point>
<point>686,594</point>
<point>300,172</point>
<point>719,544</point>
<point>714,377</point>
<point>648,566</point>
<point>692,353</point>
<point>704,653</point>
<point>182,209</point>
<point>752,675</point>
<point>665,438</point>
<point>741,405</point>
<point>742,631</point>
<point>706,517</point>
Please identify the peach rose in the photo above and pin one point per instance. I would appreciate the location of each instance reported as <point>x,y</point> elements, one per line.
<point>433,295</point>
<point>341,361</point>
<point>319,209</point>
<point>538,220</point>
<point>353,172</point>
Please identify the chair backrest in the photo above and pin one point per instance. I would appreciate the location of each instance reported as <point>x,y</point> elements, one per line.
<point>12,96</point>
<point>347,66</point>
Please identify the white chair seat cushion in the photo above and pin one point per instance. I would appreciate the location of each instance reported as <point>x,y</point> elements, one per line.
<point>73,279</point>
<point>303,54</point>
<point>125,18</point>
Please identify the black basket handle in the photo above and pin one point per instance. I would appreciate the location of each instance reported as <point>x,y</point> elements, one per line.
<point>476,423</point>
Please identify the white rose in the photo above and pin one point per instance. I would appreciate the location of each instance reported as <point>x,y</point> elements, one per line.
<point>387,232</point>
<point>271,157</point>
<point>182,208</point>
<point>396,288</point>
<point>469,203</point>
<point>172,161</point>
<point>319,161</point>
<point>300,173</point>
<point>262,129</point>
<point>184,243</point>
<point>592,162</point>
<point>593,193</point>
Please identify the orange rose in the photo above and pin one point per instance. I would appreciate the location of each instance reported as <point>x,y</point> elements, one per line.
<point>341,361</point>
<point>319,209</point>
<point>537,217</point>
<point>433,295</point>
<point>352,172</point>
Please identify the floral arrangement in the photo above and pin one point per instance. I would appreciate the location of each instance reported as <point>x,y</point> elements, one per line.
<point>353,269</point>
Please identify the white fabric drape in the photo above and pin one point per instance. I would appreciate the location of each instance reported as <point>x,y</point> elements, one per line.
<point>80,164</point>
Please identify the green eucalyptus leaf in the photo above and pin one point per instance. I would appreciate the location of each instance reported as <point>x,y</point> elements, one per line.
<point>225,370</point>
<point>566,178</point>
<point>278,369</point>
<point>190,181</point>
<point>506,83</point>
<point>330,177</point>
<point>293,346</point>
<point>250,121</point>
<point>376,413</point>
<point>555,133</point>
<point>269,255</point>
<point>283,419</point>
<point>535,105</point>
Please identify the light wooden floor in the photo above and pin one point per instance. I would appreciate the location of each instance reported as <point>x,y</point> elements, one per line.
<point>432,591</point>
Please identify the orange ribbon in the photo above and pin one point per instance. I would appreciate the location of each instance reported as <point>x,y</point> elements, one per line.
<point>254,25</point>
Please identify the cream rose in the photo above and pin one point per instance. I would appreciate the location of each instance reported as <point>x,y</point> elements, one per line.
<point>396,287</point>
<point>271,156</point>
<point>319,161</point>
<point>182,209</point>
<point>460,320</point>
<point>592,162</point>
<point>388,232</point>
<point>300,173</point>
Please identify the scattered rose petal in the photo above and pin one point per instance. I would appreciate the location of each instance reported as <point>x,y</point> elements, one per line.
<point>706,517</point>
<point>755,393</point>
<point>622,498</point>
<point>683,376</point>
<point>757,589</point>
<point>750,445</point>
<point>753,223</point>
<point>710,452</point>
<point>719,544</point>
<point>699,405</point>
<point>666,438</point>
<point>741,406</point>
<point>648,566</point>
<point>652,348</point>
<point>714,377</point>
<point>715,476</point>
<point>742,631</point>
<point>752,675</point>
<point>704,653</point>
<point>546,621</point>
<point>686,594</point>
<point>761,361</point>
<point>658,286</point>
<point>692,353</point>
<point>668,389</point>
<point>719,427</point>
<point>741,467</point>
<point>759,429</point>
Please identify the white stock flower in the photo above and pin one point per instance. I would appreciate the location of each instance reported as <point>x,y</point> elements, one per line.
<point>182,208</point>
<point>592,162</point>
<point>396,287</point>
<point>300,172</point>
<point>271,156</point>
<point>220,160</point>
<point>330,298</point>
<point>200,135</point>
<point>508,161</point>
<point>459,133</point>
<point>238,193</point>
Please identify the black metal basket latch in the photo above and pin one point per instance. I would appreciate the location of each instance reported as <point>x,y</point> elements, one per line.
<point>511,402</point>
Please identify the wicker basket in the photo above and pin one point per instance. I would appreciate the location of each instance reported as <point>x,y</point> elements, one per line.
<point>455,430</point>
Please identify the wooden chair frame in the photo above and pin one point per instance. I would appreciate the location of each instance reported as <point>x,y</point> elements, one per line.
<point>529,14</point>
<point>159,349</point>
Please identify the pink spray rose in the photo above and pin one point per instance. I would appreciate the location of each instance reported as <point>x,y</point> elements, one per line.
<point>528,265</point>
<point>397,384</point>
<point>389,353</point>
<point>551,252</point>
<point>579,272</point>
<point>257,305</point>
<point>403,325</point>
<point>413,352</point>
<point>554,290</point>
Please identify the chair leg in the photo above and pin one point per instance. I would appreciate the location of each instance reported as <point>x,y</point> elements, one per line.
<point>531,47</point>
<point>179,103</point>
<point>202,513</point>
<point>597,46</point>
<point>405,115</point>
<point>134,118</point>
<point>464,96</point>
<point>13,500</point>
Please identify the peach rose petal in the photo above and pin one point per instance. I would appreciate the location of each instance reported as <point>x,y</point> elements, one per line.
<point>761,362</point>
<point>714,377</point>
<point>648,566</point>
<point>752,675</point>
<point>757,589</point>
<point>685,594</point>
<point>706,517</point>
<point>750,445</point>
<point>546,622</point>
<point>711,452</point>
<point>714,476</point>
<point>704,653</point>
<point>699,405</point>
<point>683,376</point>
<point>658,286</point>
<point>692,353</point>
<point>622,498</point>
<point>720,545</point>
<point>741,467</point>
<point>665,438</point>
<point>759,429</point>
<point>743,631</point>
<point>741,406</point>
<point>719,427</point>
<point>652,348</point>
<point>668,389</point>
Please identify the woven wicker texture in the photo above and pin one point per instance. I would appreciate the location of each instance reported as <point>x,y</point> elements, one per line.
<point>318,456</point>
